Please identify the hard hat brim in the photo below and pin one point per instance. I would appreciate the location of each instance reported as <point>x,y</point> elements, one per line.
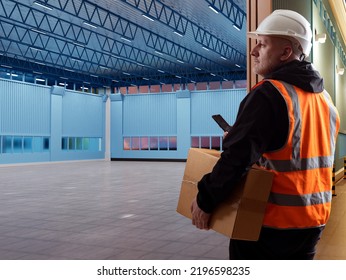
<point>254,34</point>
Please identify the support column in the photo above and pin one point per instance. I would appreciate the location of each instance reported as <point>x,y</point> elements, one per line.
<point>183,123</point>
<point>57,94</point>
<point>116,130</point>
<point>107,122</point>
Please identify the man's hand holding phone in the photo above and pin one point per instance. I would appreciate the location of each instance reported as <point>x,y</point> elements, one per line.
<point>222,123</point>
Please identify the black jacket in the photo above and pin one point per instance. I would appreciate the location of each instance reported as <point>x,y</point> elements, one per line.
<point>261,126</point>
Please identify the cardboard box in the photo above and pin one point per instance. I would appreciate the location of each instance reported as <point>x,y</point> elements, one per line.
<point>241,215</point>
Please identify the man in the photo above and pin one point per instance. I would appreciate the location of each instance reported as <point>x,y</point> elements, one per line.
<point>287,123</point>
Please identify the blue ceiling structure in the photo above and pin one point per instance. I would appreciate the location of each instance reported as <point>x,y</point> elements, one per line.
<point>125,42</point>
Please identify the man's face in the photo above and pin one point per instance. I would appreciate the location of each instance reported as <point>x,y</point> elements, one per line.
<point>267,54</point>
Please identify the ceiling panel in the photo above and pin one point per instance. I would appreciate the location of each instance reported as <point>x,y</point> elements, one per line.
<point>124,42</point>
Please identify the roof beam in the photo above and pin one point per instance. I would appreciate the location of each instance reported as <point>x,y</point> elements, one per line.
<point>211,42</point>
<point>156,9</point>
<point>230,10</point>
<point>162,13</point>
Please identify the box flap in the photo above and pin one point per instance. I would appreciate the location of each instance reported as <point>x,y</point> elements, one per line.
<point>200,162</point>
<point>252,206</point>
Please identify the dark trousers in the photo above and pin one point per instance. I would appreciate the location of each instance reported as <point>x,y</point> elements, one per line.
<point>274,244</point>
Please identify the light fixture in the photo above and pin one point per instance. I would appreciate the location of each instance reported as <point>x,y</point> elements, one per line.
<point>205,48</point>
<point>126,39</point>
<point>76,60</point>
<point>79,45</point>
<point>236,27</point>
<point>12,75</point>
<point>321,37</point>
<point>339,70</point>
<point>180,61</point>
<point>89,24</point>
<point>148,17</point>
<point>177,33</point>
<point>38,31</point>
<point>34,49</point>
<point>42,5</point>
<point>213,9</point>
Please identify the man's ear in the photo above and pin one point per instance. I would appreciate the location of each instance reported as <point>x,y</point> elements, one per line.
<point>286,53</point>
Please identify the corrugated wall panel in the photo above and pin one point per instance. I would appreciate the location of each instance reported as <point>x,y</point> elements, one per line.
<point>204,104</point>
<point>24,108</point>
<point>83,115</point>
<point>148,114</point>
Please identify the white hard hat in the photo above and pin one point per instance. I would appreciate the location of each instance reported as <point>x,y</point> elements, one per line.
<point>289,24</point>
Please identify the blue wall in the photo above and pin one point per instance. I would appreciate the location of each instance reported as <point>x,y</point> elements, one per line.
<point>163,126</point>
<point>35,122</point>
<point>204,104</point>
<point>83,126</point>
<point>42,123</point>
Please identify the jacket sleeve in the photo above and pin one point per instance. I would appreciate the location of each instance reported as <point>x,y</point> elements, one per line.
<point>253,133</point>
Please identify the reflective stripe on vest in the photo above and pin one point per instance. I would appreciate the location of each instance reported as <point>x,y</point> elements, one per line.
<point>300,200</point>
<point>294,202</point>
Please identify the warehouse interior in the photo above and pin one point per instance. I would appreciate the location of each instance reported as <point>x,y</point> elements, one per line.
<point>100,102</point>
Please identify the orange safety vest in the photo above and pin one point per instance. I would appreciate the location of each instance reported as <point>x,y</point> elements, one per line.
<point>302,186</point>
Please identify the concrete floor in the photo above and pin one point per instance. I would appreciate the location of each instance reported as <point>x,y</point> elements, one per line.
<point>101,210</point>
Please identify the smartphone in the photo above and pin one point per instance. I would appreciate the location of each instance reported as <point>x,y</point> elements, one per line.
<point>221,122</point>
